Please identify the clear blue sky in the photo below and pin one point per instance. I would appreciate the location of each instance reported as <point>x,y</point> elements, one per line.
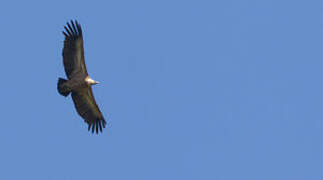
<point>214,90</point>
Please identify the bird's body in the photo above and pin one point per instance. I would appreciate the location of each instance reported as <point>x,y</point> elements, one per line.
<point>79,83</point>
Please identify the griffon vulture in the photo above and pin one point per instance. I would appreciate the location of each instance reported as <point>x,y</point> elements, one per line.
<point>78,82</point>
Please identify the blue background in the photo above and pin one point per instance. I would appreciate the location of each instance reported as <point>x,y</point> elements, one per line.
<point>219,90</point>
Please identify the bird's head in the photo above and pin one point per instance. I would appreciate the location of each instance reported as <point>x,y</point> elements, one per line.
<point>91,81</point>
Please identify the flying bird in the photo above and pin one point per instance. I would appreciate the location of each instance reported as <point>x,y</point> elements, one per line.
<point>78,82</point>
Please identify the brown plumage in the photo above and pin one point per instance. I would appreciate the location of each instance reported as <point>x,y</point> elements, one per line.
<point>79,83</point>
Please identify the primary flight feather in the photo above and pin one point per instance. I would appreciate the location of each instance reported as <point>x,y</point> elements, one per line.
<point>78,82</point>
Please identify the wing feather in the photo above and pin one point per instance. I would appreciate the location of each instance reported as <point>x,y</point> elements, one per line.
<point>88,109</point>
<point>73,51</point>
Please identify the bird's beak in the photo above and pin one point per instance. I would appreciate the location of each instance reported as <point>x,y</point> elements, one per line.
<point>91,81</point>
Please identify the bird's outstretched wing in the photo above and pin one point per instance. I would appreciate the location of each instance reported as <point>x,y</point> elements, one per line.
<point>88,109</point>
<point>73,51</point>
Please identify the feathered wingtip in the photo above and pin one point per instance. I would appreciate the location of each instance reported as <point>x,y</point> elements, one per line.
<point>72,30</point>
<point>97,125</point>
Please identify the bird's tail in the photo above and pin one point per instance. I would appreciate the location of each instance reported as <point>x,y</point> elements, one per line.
<point>63,90</point>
